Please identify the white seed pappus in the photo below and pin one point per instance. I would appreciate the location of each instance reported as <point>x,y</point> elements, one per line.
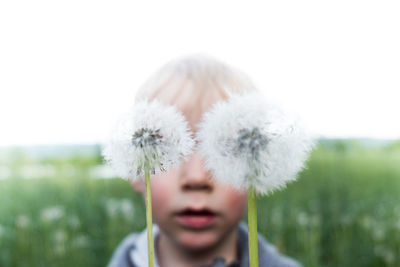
<point>152,133</point>
<point>247,141</point>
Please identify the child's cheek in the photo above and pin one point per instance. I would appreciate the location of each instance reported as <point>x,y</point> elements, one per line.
<point>160,197</point>
<point>236,201</point>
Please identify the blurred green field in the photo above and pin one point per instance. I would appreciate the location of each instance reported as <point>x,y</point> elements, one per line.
<point>343,211</point>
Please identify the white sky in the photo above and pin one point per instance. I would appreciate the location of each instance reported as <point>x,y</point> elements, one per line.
<point>69,68</point>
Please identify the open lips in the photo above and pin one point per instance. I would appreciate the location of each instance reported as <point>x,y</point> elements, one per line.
<point>196,218</point>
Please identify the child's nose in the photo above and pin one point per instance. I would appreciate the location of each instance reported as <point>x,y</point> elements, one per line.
<point>195,177</point>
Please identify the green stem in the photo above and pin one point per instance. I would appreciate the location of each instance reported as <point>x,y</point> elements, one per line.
<point>149,223</point>
<point>252,221</point>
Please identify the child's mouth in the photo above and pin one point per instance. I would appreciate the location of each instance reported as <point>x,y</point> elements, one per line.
<point>196,218</point>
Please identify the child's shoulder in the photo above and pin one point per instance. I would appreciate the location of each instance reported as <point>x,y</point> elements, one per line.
<point>120,257</point>
<point>132,251</point>
<point>268,254</point>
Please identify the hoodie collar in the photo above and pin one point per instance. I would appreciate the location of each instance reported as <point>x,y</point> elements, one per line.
<point>138,254</point>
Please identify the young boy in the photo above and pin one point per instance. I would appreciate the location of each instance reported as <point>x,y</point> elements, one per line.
<point>197,221</point>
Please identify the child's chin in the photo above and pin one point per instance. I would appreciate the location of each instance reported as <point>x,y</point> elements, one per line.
<point>197,241</point>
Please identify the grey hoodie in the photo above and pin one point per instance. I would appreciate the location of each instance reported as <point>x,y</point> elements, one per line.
<point>132,252</point>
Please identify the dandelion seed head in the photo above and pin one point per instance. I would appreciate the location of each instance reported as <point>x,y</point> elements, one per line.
<point>303,218</point>
<point>52,213</point>
<point>74,222</point>
<point>60,236</point>
<point>251,142</point>
<point>151,133</point>
<point>80,241</point>
<point>247,141</point>
<point>22,221</point>
<point>146,138</point>
<point>378,233</point>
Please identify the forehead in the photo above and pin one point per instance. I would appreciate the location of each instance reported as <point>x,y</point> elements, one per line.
<point>191,99</point>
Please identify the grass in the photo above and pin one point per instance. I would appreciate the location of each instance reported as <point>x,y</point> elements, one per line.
<point>343,211</point>
<point>65,222</point>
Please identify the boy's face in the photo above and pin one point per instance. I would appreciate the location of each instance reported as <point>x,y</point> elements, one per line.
<point>191,209</point>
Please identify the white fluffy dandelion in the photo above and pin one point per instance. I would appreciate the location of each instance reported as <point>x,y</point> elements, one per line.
<point>250,143</point>
<point>151,134</point>
<point>150,139</point>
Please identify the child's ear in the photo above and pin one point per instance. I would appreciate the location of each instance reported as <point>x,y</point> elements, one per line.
<point>138,185</point>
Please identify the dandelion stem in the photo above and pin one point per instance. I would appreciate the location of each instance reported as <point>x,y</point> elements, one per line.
<point>252,221</point>
<point>149,223</point>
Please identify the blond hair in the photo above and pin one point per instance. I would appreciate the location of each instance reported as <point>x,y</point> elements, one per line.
<point>194,83</point>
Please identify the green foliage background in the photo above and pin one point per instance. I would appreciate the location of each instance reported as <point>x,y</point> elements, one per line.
<point>343,211</point>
